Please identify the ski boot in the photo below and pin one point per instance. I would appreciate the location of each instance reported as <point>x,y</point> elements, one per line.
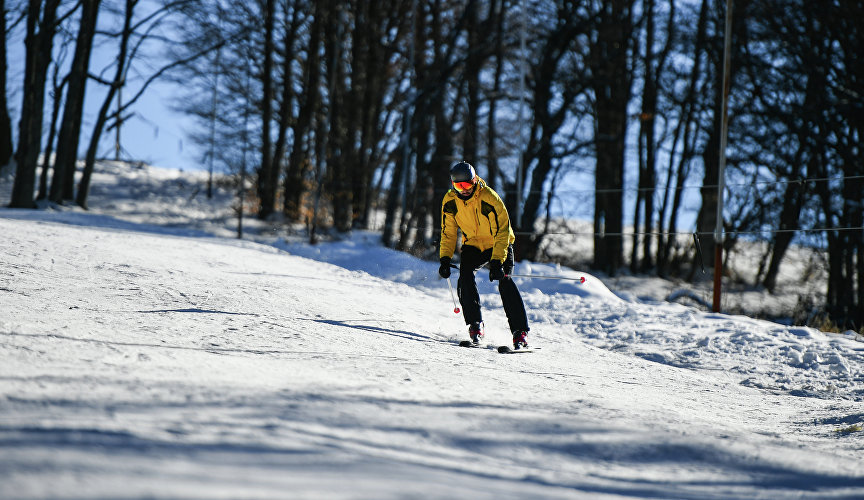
<point>519,339</point>
<point>475,331</point>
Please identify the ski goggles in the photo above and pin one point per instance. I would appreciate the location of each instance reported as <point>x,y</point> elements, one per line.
<point>463,186</point>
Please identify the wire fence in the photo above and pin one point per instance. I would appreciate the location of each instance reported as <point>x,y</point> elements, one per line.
<point>559,196</point>
<point>808,180</point>
<point>690,233</point>
<point>753,232</point>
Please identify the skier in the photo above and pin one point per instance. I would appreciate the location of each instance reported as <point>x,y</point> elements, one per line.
<point>472,206</point>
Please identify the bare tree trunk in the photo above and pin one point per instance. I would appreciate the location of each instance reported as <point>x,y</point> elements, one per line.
<point>38,43</point>
<point>356,97</point>
<point>338,149</point>
<point>795,195</point>
<point>472,80</point>
<point>495,13</point>
<point>102,117</point>
<point>57,98</point>
<point>611,93</point>
<point>5,121</point>
<point>370,51</point>
<point>647,147</point>
<point>425,206</point>
<point>287,104</point>
<point>398,182</point>
<point>267,173</point>
<point>789,220</point>
<point>683,132</point>
<point>298,162</point>
<point>63,181</point>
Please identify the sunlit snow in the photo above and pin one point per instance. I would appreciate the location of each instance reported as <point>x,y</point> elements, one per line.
<point>147,352</point>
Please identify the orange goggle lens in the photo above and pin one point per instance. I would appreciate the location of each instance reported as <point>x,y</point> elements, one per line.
<point>463,186</point>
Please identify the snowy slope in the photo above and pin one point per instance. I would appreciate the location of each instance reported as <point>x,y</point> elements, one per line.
<point>143,357</point>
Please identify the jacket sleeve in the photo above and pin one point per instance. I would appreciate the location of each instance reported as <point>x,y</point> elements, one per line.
<point>449,230</point>
<point>503,233</point>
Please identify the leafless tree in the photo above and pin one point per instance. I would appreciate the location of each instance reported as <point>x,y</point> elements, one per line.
<point>63,180</point>
<point>41,26</point>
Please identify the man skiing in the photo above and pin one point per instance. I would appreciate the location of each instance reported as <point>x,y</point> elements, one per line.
<point>472,206</point>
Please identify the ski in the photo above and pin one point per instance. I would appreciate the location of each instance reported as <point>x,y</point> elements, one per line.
<point>504,349</point>
<point>509,350</point>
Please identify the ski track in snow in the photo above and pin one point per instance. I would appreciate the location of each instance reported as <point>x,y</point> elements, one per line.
<point>141,360</point>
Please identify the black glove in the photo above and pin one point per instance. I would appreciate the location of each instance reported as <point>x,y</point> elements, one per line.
<point>496,270</point>
<point>444,270</point>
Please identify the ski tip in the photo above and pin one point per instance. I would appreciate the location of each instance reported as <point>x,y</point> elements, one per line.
<point>509,350</point>
<point>466,343</point>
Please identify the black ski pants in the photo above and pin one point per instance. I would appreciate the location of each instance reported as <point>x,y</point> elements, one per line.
<point>469,297</point>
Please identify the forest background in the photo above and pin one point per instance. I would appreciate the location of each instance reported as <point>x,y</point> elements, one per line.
<point>332,115</point>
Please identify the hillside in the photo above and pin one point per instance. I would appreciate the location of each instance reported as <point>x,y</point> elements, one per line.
<point>146,352</point>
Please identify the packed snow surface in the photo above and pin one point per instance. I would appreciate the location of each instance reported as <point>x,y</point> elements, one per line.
<point>145,352</point>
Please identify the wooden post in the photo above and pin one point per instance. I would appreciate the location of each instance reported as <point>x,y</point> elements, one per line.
<point>721,177</point>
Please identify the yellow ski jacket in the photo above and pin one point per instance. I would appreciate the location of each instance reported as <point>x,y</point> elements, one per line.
<point>482,218</point>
